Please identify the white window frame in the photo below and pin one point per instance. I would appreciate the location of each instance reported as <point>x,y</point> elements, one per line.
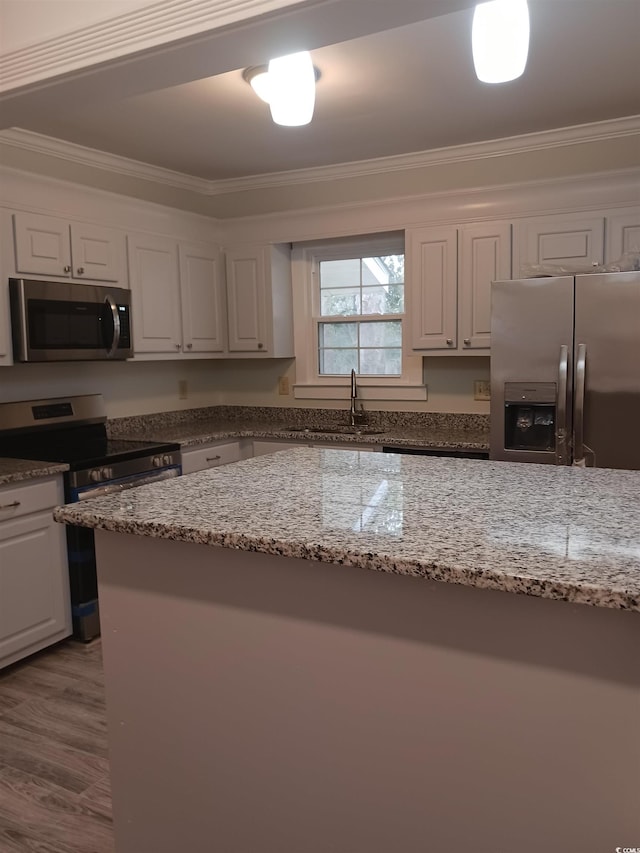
<point>310,384</point>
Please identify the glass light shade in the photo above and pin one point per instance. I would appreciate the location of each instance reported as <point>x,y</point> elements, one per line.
<point>261,85</point>
<point>500,40</point>
<point>292,84</point>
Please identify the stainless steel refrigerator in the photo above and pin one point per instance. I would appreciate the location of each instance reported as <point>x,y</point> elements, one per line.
<point>565,370</point>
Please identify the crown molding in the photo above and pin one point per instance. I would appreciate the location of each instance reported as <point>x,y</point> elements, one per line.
<point>547,139</point>
<point>135,31</point>
<point>26,140</point>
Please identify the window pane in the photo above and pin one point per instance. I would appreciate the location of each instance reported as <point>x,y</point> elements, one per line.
<point>338,361</point>
<point>340,302</point>
<point>381,362</point>
<point>383,334</point>
<point>342,273</point>
<point>338,335</point>
<point>394,265</point>
<point>394,299</point>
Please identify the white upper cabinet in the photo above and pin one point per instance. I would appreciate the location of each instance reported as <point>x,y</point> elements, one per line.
<point>431,273</point>
<point>176,297</point>
<point>155,294</point>
<point>449,277</point>
<point>202,298</point>
<point>48,246</point>
<point>566,241</point>
<point>623,234</point>
<point>259,301</point>
<point>484,256</point>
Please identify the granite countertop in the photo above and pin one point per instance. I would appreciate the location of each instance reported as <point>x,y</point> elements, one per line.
<point>562,533</point>
<point>459,433</point>
<point>15,470</point>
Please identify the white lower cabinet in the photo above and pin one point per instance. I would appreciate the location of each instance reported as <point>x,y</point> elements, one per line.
<point>214,455</point>
<point>261,447</point>
<point>35,609</point>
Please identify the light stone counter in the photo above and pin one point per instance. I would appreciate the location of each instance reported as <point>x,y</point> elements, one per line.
<point>561,533</point>
<point>17,470</point>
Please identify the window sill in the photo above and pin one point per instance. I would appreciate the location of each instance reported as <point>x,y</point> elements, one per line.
<point>326,391</point>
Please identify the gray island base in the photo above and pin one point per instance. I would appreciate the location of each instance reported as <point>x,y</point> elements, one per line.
<point>266,703</point>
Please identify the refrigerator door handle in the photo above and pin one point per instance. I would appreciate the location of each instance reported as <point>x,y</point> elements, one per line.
<point>578,407</point>
<point>561,406</point>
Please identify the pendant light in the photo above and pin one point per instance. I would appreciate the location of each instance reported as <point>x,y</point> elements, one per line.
<point>292,89</point>
<point>500,40</point>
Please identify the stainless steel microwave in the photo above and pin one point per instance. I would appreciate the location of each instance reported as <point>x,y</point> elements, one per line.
<point>62,321</point>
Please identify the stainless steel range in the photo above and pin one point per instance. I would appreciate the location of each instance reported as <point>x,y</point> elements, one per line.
<point>73,430</point>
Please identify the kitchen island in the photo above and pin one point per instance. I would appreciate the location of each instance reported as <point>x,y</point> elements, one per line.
<point>324,650</point>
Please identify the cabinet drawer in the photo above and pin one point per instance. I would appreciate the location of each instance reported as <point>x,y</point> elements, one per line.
<point>16,501</point>
<point>211,456</point>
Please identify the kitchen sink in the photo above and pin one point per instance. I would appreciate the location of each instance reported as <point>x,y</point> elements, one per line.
<point>335,430</point>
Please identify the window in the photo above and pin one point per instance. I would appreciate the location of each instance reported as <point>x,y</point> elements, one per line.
<point>371,290</point>
<point>348,315</point>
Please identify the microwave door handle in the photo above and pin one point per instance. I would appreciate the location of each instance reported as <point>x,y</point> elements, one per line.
<point>116,325</point>
<point>578,407</point>
<point>561,433</point>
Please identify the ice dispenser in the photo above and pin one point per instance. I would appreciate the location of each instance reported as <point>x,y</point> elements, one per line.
<point>530,416</point>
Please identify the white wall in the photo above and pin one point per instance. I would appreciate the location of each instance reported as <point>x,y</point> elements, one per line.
<point>129,388</point>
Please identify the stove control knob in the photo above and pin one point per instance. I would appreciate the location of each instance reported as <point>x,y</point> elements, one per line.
<point>157,461</point>
<point>107,473</point>
<point>95,475</point>
<point>166,459</point>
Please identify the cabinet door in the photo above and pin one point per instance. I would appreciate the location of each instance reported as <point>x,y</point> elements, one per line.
<point>34,585</point>
<point>97,253</point>
<point>247,285</point>
<point>155,294</point>
<point>42,245</point>
<point>485,256</point>
<point>432,292</point>
<point>201,292</point>
<point>560,241</point>
<point>212,456</point>
<point>261,448</point>
<point>623,234</point>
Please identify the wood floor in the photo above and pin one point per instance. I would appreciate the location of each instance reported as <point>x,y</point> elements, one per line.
<point>54,769</point>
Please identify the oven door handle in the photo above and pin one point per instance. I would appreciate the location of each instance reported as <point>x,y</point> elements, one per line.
<point>116,325</point>
<point>99,491</point>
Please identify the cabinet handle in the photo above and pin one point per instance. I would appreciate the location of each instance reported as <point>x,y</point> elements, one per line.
<point>177,346</point>
<point>260,346</point>
<point>189,346</point>
<point>212,458</point>
<point>467,342</point>
<point>80,270</point>
<point>449,342</point>
<point>10,506</point>
<point>66,269</point>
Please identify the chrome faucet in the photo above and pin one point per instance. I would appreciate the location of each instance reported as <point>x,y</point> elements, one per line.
<point>355,417</point>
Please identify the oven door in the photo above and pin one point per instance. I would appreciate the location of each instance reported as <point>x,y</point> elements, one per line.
<point>81,551</point>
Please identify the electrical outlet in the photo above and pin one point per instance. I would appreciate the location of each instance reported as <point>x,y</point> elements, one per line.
<point>283,385</point>
<point>482,389</point>
<point>183,389</point>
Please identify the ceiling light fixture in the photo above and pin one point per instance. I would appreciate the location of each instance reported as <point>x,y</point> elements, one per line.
<point>288,85</point>
<point>500,40</point>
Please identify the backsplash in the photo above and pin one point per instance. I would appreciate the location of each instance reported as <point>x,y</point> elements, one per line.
<point>282,416</point>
